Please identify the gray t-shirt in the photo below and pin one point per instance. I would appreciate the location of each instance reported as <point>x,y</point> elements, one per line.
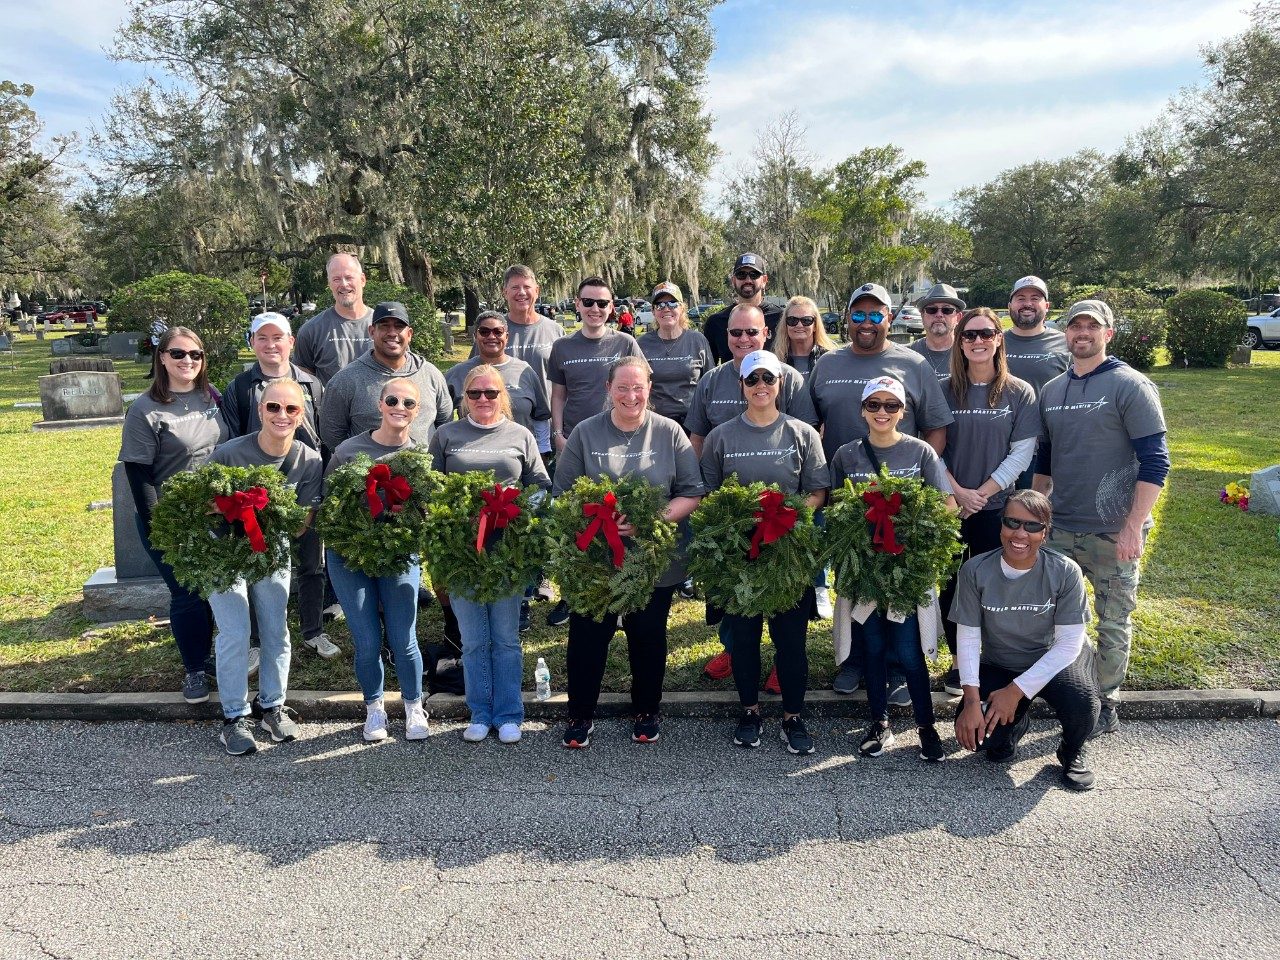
<point>1037,359</point>
<point>909,457</point>
<point>980,436</point>
<point>839,377</point>
<point>1017,616</point>
<point>329,341</point>
<point>506,448</point>
<point>531,342</point>
<point>718,399</point>
<point>677,365</point>
<point>788,452</point>
<point>1090,423</point>
<point>940,360</point>
<point>580,365</point>
<point>528,391</point>
<point>306,477</point>
<point>658,451</point>
<point>364,443</point>
<point>171,437</point>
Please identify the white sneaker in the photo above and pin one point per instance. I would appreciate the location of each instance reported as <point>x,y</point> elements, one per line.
<point>415,722</point>
<point>509,733</point>
<point>375,721</point>
<point>333,612</point>
<point>255,661</point>
<point>475,732</point>
<point>322,645</point>
<point>823,596</point>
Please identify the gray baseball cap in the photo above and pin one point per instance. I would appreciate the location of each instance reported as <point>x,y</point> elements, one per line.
<point>1030,282</point>
<point>942,293</point>
<point>1093,308</point>
<point>869,290</point>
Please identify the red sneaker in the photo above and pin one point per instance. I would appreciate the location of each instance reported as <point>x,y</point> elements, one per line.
<point>719,667</point>
<point>771,685</point>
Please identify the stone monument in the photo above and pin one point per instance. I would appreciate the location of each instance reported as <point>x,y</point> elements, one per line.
<point>132,589</point>
<point>124,346</point>
<point>83,398</point>
<point>1264,492</point>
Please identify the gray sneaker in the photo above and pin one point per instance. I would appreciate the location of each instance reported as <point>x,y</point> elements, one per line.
<point>279,722</point>
<point>237,736</point>
<point>848,679</point>
<point>195,688</point>
<point>255,660</point>
<point>900,696</point>
<point>322,645</point>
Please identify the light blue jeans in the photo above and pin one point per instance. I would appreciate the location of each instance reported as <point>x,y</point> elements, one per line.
<point>231,613</point>
<point>360,596</point>
<point>492,660</point>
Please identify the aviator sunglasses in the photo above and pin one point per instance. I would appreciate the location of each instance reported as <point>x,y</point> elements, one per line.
<point>755,377</point>
<point>408,402</point>
<point>861,316</point>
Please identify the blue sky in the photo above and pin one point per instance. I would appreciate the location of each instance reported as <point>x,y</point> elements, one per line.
<point>969,87</point>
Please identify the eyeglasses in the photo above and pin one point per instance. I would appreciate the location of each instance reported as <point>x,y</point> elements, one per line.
<point>746,275</point>
<point>395,322</point>
<point>745,332</point>
<point>801,321</point>
<point>888,406</point>
<point>292,409</point>
<point>988,333</point>
<point>488,394</point>
<point>408,402</point>
<point>752,379</point>
<point>861,316</point>
<point>1031,526</point>
<point>946,311</point>
<point>665,305</point>
<point>490,331</point>
<point>588,302</point>
<point>176,354</point>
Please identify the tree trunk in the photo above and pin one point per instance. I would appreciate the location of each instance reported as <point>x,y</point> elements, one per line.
<point>472,298</point>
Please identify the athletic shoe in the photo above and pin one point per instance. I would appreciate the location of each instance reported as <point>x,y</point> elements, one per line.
<point>848,679</point>
<point>545,591</point>
<point>748,732</point>
<point>822,598</point>
<point>255,661</point>
<point>1076,774</point>
<point>425,597</point>
<point>526,619</point>
<point>322,645</point>
<point>279,722</point>
<point>559,615</point>
<point>688,591</point>
<point>930,745</point>
<point>375,721</point>
<point>195,687</point>
<point>333,612</point>
<point>415,722</point>
<point>951,683</point>
<point>1108,720</point>
<point>510,733</point>
<point>577,735</point>
<point>899,696</point>
<point>719,667</point>
<point>645,729</point>
<point>796,736</point>
<point>1002,744</point>
<point>237,736</point>
<point>772,685</point>
<point>878,736</point>
<point>475,732</point>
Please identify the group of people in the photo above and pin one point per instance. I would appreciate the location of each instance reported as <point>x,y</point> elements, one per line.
<point>1051,453</point>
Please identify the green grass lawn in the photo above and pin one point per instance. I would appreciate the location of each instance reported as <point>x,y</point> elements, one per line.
<point>1209,603</point>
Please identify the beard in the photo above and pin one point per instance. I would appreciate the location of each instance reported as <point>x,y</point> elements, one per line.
<point>1025,322</point>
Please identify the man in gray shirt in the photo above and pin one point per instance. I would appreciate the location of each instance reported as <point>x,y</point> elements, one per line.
<point>334,338</point>
<point>940,308</point>
<point>1035,353</point>
<point>529,335</point>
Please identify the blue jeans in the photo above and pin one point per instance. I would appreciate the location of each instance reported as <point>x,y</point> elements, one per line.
<point>492,660</point>
<point>883,637</point>
<point>188,613</point>
<point>360,596</point>
<point>231,611</point>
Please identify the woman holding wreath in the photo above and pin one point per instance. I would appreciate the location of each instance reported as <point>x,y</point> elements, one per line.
<point>487,438</point>
<point>628,438</point>
<point>763,444</point>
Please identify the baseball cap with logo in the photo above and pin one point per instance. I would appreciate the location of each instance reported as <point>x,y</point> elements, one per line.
<point>670,289</point>
<point>760,360</point>
<point>390,310</point>
<point>1030,282</point>
<point>752,261</point>
<point>870,290</point>
<point>1092,308</point>
<point>887,385</point>
<point>269,319</point>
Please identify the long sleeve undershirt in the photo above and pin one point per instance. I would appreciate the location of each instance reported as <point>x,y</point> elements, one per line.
<point>1017,460</point>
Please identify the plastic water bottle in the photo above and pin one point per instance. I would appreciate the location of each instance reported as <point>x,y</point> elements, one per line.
<point>542,676</point>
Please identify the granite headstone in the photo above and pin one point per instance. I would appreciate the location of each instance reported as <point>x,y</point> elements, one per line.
<point>123,345</point>
<point>132,589</point>
<point>60,348</point>
<point>84,398</point>
<point>1264,492</point>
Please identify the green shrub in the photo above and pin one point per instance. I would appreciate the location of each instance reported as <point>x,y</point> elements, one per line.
<point>1140,325</point>
<point>428,338</point>
<point>1204,327</point>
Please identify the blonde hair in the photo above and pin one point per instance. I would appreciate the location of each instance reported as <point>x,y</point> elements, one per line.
<point>288,382</point>
<point>782,343</point>
<point>485,370</point>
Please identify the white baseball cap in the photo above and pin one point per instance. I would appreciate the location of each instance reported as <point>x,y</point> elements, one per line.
<point>873,290</point>
<point>885,385</point>
<point>1030,282</point>
<point>760,360</point>
<point>270,320</point>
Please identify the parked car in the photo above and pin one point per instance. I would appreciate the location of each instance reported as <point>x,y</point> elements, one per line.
<point>1262,330</point>
<point>908,320</point>
<point>834,322</point>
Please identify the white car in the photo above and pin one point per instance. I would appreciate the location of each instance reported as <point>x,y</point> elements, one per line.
<point>1263,330</point>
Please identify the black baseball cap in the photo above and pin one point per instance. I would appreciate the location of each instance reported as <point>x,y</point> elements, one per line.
<point>752,261</point>
<point>390,310</point>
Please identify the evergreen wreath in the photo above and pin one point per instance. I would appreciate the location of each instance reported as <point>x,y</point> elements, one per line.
<point>728,525</point>
<point>489,563</point>
<point>608,574</point>
<point>376,534</point>
<point>217,524</point>
<point>890,541</point>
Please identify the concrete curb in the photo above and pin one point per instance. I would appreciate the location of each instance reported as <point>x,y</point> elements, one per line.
<point>346,705</point>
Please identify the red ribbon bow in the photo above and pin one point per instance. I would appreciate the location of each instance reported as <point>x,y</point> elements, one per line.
<point>395,488</point>
<point>605,520</point>
<point>499,510</point>
<point>243,506</point>
<point>882,511</point>
<point>774,520</point>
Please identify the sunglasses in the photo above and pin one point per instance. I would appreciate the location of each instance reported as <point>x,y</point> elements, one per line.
<point>944,310</point>
<point>490,331</point>
<point>746,275</point>
<point>745,332</point>
<point>665,305</point>
<point>861,316</point>
<point>588,302</point>
<point>752,379</point>
<point>801,321</point>
<point>888,406</point>
<point>1031,526</point>
<point>176,354</point>
<point>987,333</point>
<point>393,401</point>
<point>292,409</point>
<point>488,394</point>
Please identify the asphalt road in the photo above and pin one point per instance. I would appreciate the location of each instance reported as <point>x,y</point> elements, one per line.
<point>145,840</point>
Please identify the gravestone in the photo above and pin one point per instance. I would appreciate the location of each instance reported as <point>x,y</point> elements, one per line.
<point>1242,355</point>
<point>60,348</point>
<point>1264,492</point>
<point>132,589</point>
<point>72,364</point>
<point>124,345</point>
<point>6,342</point>
<point>446,331</point>
<point>84,398</point>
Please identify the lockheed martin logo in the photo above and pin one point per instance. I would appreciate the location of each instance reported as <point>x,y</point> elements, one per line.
<point>995,413</point>
<point>1037,609</point>
<point>1086,407</point>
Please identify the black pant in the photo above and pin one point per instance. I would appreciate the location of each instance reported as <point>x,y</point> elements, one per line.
<point>190,619</point>
<point>788,632</point>
<point>1073,694</point>
<point>311,582</point>
<point>979,533</point>
<point>588,651</point>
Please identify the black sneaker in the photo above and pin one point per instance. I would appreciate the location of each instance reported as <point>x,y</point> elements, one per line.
<point>878,736</point>
<point>931,745</point>
<point>1002,744</point>
<point>195,687</point>
<point>848,679</point>
<point>559,615</point>
<point>688,591</point>
<point>577,735</point>
<point>748,732</point>
<point>645,729</point>
<point>796,736</point>
<point>1108,720</point>
<point>1076,774</point>
<point>526,620</point>
<point>951,683</point>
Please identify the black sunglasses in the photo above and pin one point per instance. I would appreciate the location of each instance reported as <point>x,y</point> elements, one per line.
<point>588,302</point>
<point>987,333</point>
<point>797,321</point>
<point>1031,526</point>
<point>489,394</point>
<point>392,401</point>
<point>746,275</point>
<point>875,406</point>
<point>176,354</point>
<point>490,331</point>
<point>945,311</point>
<point>292,409</point>
<point>745,332</point>
<point>752,379</point>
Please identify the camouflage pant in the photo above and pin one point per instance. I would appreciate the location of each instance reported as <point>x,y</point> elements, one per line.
<point>1115,595</point>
